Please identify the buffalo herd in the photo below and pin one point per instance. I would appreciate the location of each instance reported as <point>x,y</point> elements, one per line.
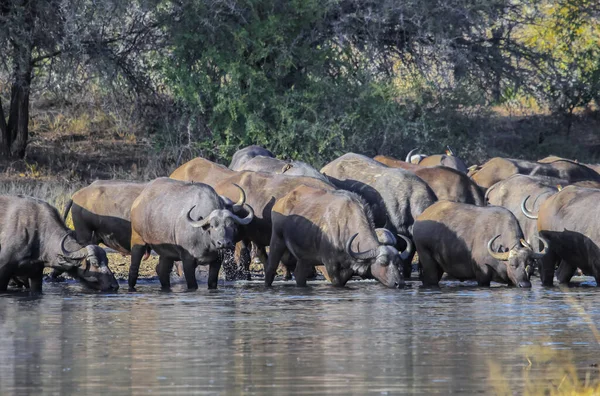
<point>501,221</point>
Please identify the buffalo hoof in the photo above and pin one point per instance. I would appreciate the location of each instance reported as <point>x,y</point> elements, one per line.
<point>132,289</point>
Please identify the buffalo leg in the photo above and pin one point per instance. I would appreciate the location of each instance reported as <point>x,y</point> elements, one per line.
<point>407,264</point>
<point>6,272</point>
<point>35,281</point>
<point>137,252</point>
<point>189,270</point>
<point>301,273</point>
<point>277,249</point>
<point>163,270</point>
<point>565,272</point>
<point>7,268</point>
<point>547,267</point>
<point>213,274</point>
<point>432,272</point>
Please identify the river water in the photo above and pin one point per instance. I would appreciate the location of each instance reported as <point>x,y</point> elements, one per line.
<point>287,340</point>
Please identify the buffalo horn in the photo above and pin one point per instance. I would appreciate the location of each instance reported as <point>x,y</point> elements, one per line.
<point>76,255</point>
<point>544,250</point>
<point>410,154</point>
<point>525,211</point>
<point>409,248</point>
<point>241,201</point>
<point>367,255</point>
<point>197,223</point>
<point>246,220</point>
<point>496,255</point>
<point>524,243</point>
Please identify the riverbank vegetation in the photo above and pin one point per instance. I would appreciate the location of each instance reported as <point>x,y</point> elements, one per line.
<point>101,88</point>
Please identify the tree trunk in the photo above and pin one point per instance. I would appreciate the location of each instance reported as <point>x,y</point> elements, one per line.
<point>5,140</point>
<point>20,131</point>
<point>14,139</point>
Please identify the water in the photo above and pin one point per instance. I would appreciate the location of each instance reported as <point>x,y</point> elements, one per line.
<point>245,339</point>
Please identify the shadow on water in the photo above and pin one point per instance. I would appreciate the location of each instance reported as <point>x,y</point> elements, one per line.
<point>244,338</point>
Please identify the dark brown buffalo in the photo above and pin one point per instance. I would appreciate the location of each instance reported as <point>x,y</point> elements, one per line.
<point>274,165</point>
<point>319,227</point>
<point>186,222</point>
<point>262,190</point>
<point>201,170</point>
<point>498,169</point>
<point>569,220</point>
<point>513,194</point>
<point>396,196</point>
<point>33,236</point>
<point>473,242</point>
<point>101,213</point>
<point>447,183</point>
<point>247,153</point>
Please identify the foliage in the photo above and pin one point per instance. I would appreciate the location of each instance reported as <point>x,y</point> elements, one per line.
<point>309,79</point>
<point>568,32</point>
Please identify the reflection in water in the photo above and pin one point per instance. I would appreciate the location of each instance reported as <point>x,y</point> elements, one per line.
<point>243,338</point>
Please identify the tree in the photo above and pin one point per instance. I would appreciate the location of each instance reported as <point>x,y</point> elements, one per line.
<point>41,36</point>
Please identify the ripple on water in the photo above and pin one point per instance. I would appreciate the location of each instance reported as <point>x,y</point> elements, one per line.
<point>245,338</point>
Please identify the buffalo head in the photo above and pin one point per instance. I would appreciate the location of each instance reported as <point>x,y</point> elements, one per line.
<point>221,224</point>
<point>95,274</point>
<point>384,260</point>
<point>519,260</point>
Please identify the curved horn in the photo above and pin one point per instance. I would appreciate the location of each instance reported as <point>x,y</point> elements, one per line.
<point>406,254</point>
<point>410,154</point>
<point>241,201</point>
<point>196,223</point>
<point>544,250</point>
<point>367,255</point>
<point>486,197</point>
<point>524,243</point>
<point>246,220</point>
<point>76,255</point>
<point>525,211</point>
<point>497,256</point>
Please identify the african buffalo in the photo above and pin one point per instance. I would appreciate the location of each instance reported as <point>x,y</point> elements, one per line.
<point>512,193</point>
<point>319,227</point>
<point>262,190</point>
<point>101,213</point>
<point>569,220</point>
<point>242,156</point>
<point>161,219</point>
<point>32,236</point>
<point>497,169</point>
<point>201,170</point>
<point>274,165</point>
<point>396,196</point>
<point>459,239</point>
<point>447,183</point>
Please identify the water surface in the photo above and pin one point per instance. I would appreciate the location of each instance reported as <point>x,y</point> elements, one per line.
<point>243,338</point>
